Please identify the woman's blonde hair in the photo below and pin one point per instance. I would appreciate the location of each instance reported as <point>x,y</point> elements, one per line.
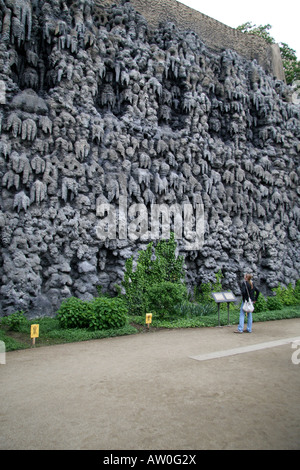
<point>249,279</point>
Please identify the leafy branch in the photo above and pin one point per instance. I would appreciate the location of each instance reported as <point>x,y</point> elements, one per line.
<point>291,64</point>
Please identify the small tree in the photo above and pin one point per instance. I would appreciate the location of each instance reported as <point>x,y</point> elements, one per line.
<point>291,65</point>
<point>164,296</point>
<point>167,265</point>
<point>203,294</point>
<point>136,280</point>
<point>154,265</point>
<point>261,31</point>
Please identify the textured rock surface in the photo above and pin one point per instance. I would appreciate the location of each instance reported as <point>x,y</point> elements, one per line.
<point>216,35</point>
<point>94,107</point>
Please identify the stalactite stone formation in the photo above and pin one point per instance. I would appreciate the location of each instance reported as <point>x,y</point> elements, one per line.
<point>98,109</point>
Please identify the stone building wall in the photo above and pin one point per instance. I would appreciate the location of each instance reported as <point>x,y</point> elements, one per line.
<point>213,33</point>
<point>97,109</point>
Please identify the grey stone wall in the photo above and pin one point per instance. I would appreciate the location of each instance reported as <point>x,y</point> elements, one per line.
<point>97,107</point>
<point>216,35</point>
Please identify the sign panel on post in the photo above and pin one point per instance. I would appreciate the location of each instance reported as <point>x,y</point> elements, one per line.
<point>34,332</point>
<point>222,297</point>
<point>148,319</point>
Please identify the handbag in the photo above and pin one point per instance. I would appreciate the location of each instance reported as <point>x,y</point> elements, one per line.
<point>248,306</point>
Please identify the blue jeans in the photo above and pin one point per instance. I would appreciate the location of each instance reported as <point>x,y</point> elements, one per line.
<point>242,320</point>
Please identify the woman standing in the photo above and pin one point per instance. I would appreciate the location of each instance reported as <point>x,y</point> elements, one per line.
<point>248,290</point>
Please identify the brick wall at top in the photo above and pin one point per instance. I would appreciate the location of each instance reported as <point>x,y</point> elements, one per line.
<point>213,33</point>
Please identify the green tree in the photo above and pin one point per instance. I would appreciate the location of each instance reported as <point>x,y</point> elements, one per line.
<point>261,31</point>
<point>164,296</point>
<point>291,64</point>
<point>154,265</point>
<point>167,264</point>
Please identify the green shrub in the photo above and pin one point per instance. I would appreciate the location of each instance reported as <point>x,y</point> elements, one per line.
<point>100,313</point>
<point>107,313</point>
<point>74,313</point>
<point>190,309</point>
<point>297,292</point>
<point>134,283</point>
<point>83,334</point>
<point>274,303</point>
<point>154,266</point>
<point>164,296</point>
<point>167,266</point>
<point>286,294</point>
<point>11,344</point>
<point>15,321</point>
<point>203,294</point>
<point>261,304</point>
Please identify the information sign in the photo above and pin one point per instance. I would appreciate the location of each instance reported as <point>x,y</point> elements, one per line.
<point>222,297</point>
<point>34,332</point>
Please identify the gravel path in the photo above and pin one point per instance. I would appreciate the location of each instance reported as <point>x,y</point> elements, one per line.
<point>157,390</point>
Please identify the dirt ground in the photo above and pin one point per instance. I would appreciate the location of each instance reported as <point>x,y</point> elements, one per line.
<point>151,391</point>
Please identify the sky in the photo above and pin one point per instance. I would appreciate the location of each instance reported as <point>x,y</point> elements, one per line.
<point>284,17</point>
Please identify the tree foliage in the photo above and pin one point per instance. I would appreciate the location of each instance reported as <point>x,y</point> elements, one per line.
<point>291,64</point>
<point>155,265</point>
<point>261,31</point>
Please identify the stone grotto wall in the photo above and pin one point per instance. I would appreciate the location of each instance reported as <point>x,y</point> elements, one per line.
<point>216,35</point>
<point>95,106</point>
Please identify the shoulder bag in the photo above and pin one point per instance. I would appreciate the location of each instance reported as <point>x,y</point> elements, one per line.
<point>248,306</point>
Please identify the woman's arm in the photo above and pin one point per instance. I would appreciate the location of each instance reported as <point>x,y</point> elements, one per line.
<point>244,292</point>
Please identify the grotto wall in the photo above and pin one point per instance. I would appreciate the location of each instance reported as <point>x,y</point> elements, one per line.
<point>96,108</point>
<point>216,35</point>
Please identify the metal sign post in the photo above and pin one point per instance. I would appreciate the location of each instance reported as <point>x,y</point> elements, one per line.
<point>222,297</point>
